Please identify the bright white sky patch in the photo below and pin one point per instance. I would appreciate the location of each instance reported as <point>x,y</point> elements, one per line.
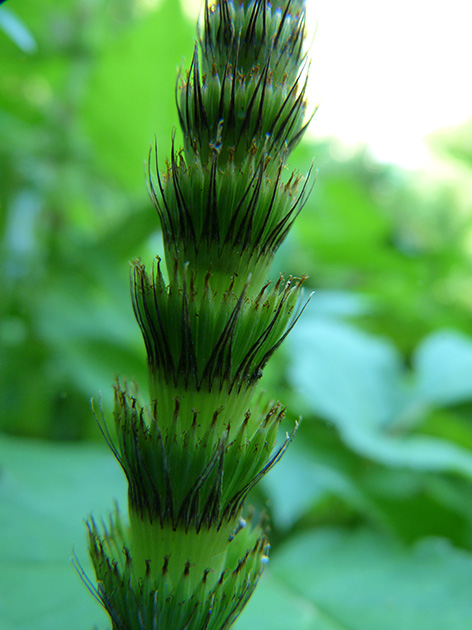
<point>388,73</point>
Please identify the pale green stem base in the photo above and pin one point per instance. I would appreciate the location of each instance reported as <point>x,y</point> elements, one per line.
<point>233,409</point>
<point>175,553</point>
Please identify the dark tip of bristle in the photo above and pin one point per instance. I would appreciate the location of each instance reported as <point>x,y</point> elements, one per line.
<point>176,408</point>
<point>91,525</point>
<point>258,545</point>
<point>175,268</point>
<point>207,279</point>
<point>231,152</point>
<point>269,416</point>
<point>205,575</point>
<point>214,420</point>
<point>192,285</point>
<point>187,568</point>
<point>265,545</point>
<point>278,283</point>
<point>165,566</point>
<point>154,409</point>
<point>229,290</point>
<point>127,556</point>
<point>260,295</point>
<point>148,567</point>
<point>282,412</point>
<point>241,564</point>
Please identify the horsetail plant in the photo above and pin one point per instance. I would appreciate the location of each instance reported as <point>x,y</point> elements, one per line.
<point>187,560</point>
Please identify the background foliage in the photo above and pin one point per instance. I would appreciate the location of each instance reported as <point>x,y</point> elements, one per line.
<point>371,509</point>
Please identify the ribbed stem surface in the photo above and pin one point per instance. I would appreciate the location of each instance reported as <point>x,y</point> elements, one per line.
<point>186,560</point>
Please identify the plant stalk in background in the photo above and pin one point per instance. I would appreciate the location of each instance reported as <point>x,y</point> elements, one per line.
<point>210,322</point>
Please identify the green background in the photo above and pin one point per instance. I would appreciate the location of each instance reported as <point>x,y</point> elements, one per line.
<point>371,508</point>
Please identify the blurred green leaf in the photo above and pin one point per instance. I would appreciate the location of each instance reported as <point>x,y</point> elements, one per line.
<point>46,492</point>
<point>276,605</point>
<point>365,581</point>
<point>301,482</point>
<point>356,381</point>
<point>443,364</point>
<point>130,96</point>
<point>346,375</point>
